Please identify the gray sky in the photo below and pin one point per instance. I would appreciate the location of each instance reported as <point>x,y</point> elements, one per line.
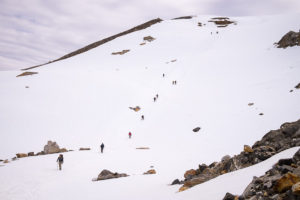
<point>36,31</point>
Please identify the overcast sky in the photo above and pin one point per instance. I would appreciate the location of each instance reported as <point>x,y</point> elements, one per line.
<point>36,31</point>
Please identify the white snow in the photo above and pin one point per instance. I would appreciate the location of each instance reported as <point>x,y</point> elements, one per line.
<point>84,100</point>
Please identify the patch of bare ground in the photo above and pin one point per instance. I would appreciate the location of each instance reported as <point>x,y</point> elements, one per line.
<point>120,52</point>
<point>143,148</point>
<point>27,74</point>
<point>149,38</point>
<point>289,40</point>
<point>222,21</point>
<point>100,42</point>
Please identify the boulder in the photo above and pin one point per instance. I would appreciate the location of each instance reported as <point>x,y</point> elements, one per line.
<point>149,38</point>
<point>297,86</point>
<point>248,149</point>
<point>31,154</point>
<point>40,153</point>
<point>286,182</point>
<point>190,173</point>
<point>175,182</point>
<point>21,155</point>
<point>63,150</point>
<point>84,149</point>
<point>229,196</point>
<point>196,129</point>
<point>296,188</point>
<point>106,174</point>
<point>51,147</point>
<point>289,40</point>
<point>151,171</point>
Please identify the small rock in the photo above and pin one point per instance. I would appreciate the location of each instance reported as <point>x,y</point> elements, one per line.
<point>261,113</point>
<point>6,161</point>
<point>143,148</point>
<point>120,52</point>
<point>106,174</point>
<point>63,150</point>
<point>291,90</point>
<point>21,155</point>
<point>175,182</point>
<point>151,171</point>
<point>31,154</point>
<point>143,43</point>
<point>196,129</point>
<point>26,86</point>
<point>149,38</point>
<point>248,149</point>
<point>297,86</point>
<point>250,104</point>
<point>136,109</point>
<point>84,149</point>
<point>14,159</point>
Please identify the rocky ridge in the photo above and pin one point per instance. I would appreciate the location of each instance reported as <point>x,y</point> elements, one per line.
<point>272,143</point>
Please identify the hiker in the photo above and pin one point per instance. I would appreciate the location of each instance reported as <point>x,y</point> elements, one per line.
<point>129,134</point>
<point>142,117</point>
<point>60,160</point>
<point>154,99</point>
<point>102,147</point>
<point>163,75</point>
<point>156,96</point>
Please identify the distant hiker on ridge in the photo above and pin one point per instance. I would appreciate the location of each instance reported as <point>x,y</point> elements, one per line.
<point>102,147</point>
<point>142,118</point>
<point>129,134</point>
<point>60,160</point>
<point>154,99</point>
<point>156,96</point>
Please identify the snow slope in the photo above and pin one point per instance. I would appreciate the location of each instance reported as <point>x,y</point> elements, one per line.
<point>83,101</point>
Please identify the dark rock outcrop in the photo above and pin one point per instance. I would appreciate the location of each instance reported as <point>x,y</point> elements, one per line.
<point>21,155</point>
<point>30,153</point>
<point>289,40</point>
<point>84,149</point>
<point>149,38</point>
<point>184,17</point>
<point>297,86</point>
<point>106,174</point>
<point>272,143</point>
<point>276,184</point>
<point>27,74</point>
<point>196,129</point>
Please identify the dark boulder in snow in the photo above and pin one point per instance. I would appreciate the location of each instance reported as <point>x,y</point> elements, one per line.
<point>176,181</point>
<point>106,174</point>
<point>289,40</point>
<point>84,149</point>
<point>31,153</point>
<point>297,86</point>
<point>196,129</point>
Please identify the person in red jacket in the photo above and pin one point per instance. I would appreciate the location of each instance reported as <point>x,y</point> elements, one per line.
<point>129,134</point>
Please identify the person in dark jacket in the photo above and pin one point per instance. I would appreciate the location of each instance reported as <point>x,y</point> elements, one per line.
<point>129,134</point>
<point>60,160</point>
<point>102,147</point>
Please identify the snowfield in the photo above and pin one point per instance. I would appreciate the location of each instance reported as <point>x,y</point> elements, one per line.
<point>84,101</point>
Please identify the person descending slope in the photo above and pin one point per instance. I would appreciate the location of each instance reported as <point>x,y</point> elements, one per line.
<point>129,134</point>
<point>102,147</point>
<point>60,160</point>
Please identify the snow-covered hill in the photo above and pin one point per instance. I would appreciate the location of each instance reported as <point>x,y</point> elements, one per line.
<point>84,100</point>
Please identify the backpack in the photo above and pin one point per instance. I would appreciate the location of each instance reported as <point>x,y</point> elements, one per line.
<point>61,159</point>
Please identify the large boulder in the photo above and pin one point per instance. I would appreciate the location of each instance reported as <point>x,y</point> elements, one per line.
<point>286,182</point>
<point>290,39</point>
<point>106,174</point>
<point>51,147</point>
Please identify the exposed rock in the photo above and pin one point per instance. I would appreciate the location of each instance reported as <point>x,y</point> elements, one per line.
<point>21,155</point>
<point>221,21</point>
<point>248,149</point>
<point>297,86</point>
<point>26,86</point>
<point>51,147</point>
<point>296,188</point>
<point>184,17</point>
<point>143,148</point>
<point>1,160</point>
<point>272,143</point>
<point>106,174</point>
<point>120,52</point>
<point>174,60</point>
<point>136,109</point>
<point>286,182</point>
<point>261,113</point>
<point>289,40</point>
<point>27,74</point>
<point>176,182</point>
<point>196,129</point>
<point>84,149</point>
<point>199,24</point>
<point>190,173</point>
<point>14,159</point>
<point>62,150</point>
<point>31,154</point>
<point>149,38</point>
<point>6,161</point>
<point>40,153</point>
<point>183,188</point>
<point>276,184</point>
<point>151,171</point>
<point>229,196</point>
<point>250,104</point>
<point>293,90</point>
<point>143,43</point>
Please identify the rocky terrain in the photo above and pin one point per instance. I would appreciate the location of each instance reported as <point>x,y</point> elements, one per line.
<point>282,182</point>
<point>289,40</point>
<point>272,143</point>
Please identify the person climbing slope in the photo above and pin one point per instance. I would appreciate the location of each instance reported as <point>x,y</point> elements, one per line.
<point>60,160</point>
<point>129,134</point>
<point>102,147</point>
